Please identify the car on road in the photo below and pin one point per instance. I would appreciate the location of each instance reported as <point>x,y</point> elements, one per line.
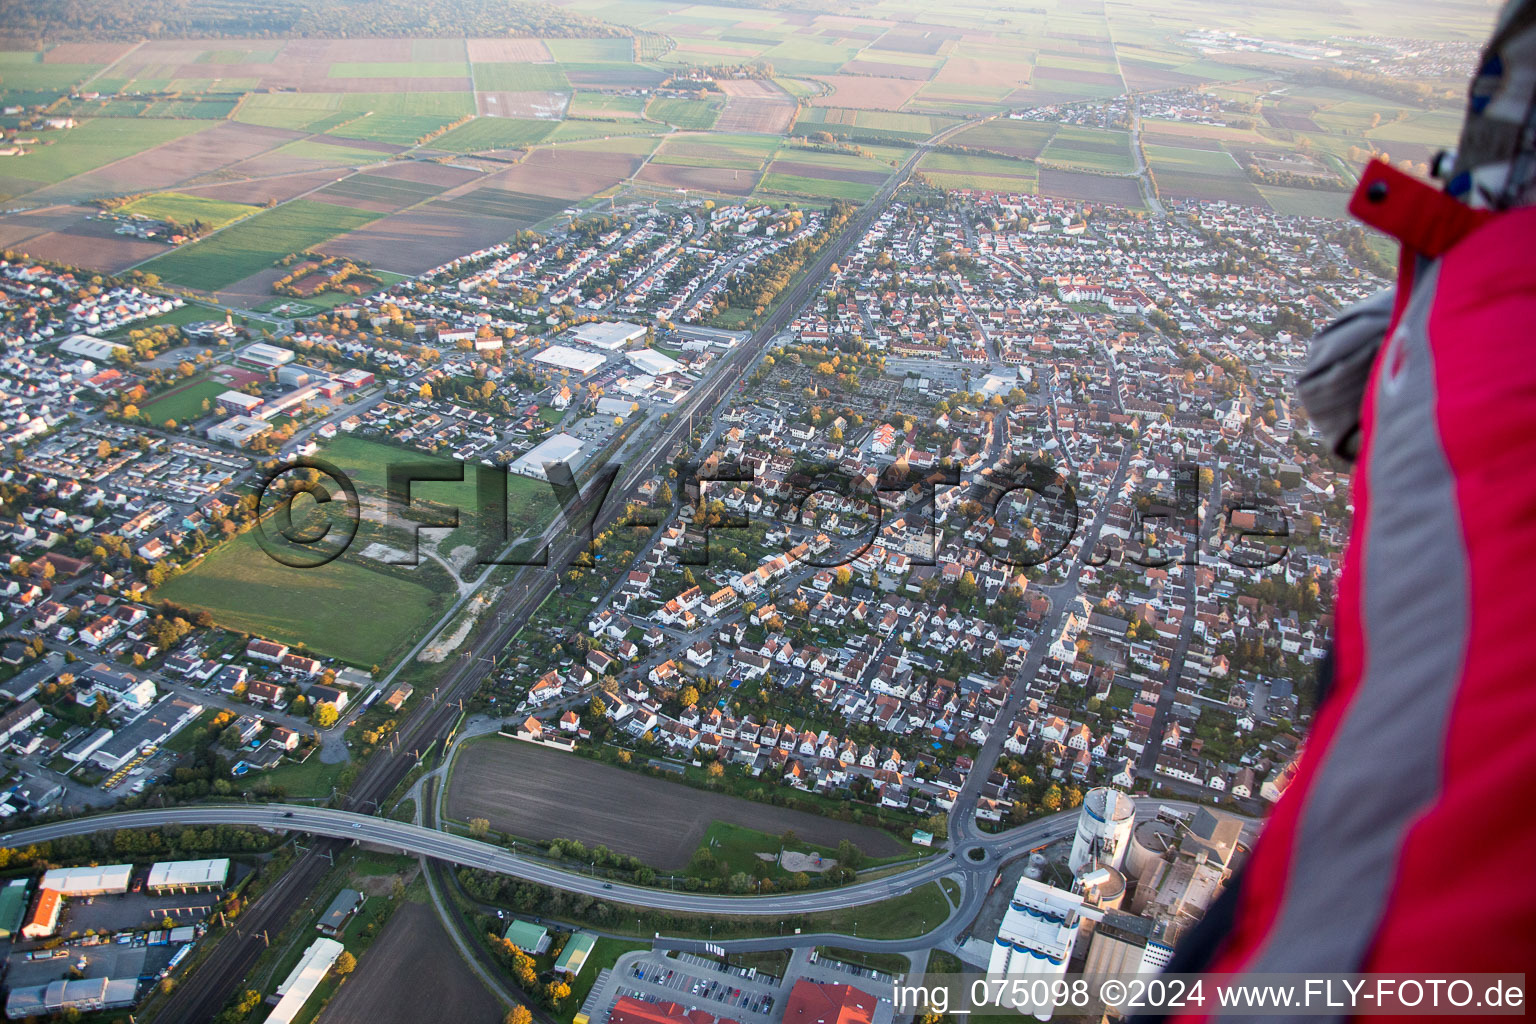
<point>607,885</point>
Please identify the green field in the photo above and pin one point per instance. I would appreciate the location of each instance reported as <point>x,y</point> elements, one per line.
<point>603,104</point>
<point>816,188</point>
<point>582,131</point>
<point>1198,161</point>
<point>186,404</point>
<point>341,609</point>
<point>94,143</point>
<point>254,244</point>
<point>1091,149</point>
<point>1013,138</point>
<point>693,115</point>
<point>520,78</point>
<point>616,50</point>
<point>484,133</point>
<point>1298,202</point>
<point>319,111</point>
<point>184,209</point>
<point>400,129</point>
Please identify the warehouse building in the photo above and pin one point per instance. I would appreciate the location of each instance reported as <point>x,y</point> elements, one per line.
<point>556,449</point>
<point>610,337</point>
<point>82,995</point>
<point>563,357</point>
<point>13,907</point>
<point>44,917</point>
<point>188,875</point>
<point>654,363</point>
<point>302,981</point>
<point>89,881</point>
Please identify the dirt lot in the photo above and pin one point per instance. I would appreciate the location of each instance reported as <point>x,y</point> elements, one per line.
<point>412,973</point>
<point>176,161</point>
<point>541,793</point>
<point>754,105</point>
<point>866,93</point>
<point>1094,188</point>
<point>709,179</point>
<point>417,240</point>
<point>494,51</point>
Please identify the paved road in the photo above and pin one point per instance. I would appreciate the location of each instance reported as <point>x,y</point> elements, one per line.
<point>418,840</point>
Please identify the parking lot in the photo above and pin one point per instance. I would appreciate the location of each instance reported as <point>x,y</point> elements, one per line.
<point>109,960</point>
<point>697,983</point>
<point>134,910</point>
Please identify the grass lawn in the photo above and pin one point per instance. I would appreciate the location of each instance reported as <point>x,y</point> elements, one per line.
<point>696,115</point>
<point>602,104</point>
<point>890,963</point>
<point>186,403</point>
<point>184,209</point>
<point>256,243</point>
<point>342,609</point>
<point>520,78</point>
<point>494,133</point>
<point>310,779</point>
<point>607,951</point>
<point>818,188</point>
<point>738,847</point>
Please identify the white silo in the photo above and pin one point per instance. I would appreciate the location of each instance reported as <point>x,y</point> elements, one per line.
<point>1103,830</point>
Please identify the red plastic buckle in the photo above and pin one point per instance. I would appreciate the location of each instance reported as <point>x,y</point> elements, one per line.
<point>1423,218</point>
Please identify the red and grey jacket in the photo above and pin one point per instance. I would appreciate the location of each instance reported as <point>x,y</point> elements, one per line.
<point>1406,838</point>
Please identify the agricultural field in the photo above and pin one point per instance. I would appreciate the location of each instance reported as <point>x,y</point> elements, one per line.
<point>1023,139</point>
<point>540,793</point>
<point>387,986</point>
<point>490,133</point>
<point>602,105</point>
<point>187,209</point>
<point>865,125</point>
<point>1090,149</point>
<point>690,115</point>
<point>979,173</point>
<point>92,144</point>
<point>253,244</point>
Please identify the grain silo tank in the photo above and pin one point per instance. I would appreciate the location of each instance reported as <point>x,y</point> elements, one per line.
<point>1104,826</point>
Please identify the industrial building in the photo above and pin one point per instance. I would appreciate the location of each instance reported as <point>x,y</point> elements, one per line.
<point>44,917</point>
<point>81,994</point>
<point>1037,936</point>
<point>188,875</point>
<point>609,337</point>
<point>558,448</point>
<point>152,728</point>
<point>1104,827</point>
<point>649,361</point>
<point>302,981</point>
<point>571,360</point>
<point>88,881</point>
<point>238,430</point>
<point>13,907</point>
